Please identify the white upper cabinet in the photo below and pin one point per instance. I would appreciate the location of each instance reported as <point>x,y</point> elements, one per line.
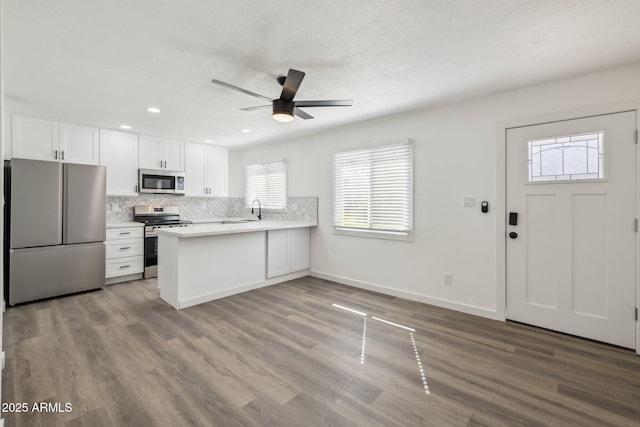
<point>119,153</point>
<point>217,164</point>
<point>173,153</point>
<point>40,139</point>
<point>161,153</point>
<point>35,139</point>
<point>206,170</point>
<point>79,144</point>
<point>195,167</point>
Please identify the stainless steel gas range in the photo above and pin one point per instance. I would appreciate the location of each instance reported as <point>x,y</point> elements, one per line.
<point>154,219</point>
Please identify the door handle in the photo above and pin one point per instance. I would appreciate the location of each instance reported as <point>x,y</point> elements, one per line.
<point>513,235</point>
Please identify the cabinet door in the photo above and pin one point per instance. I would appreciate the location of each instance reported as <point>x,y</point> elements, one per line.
<point>217,160</point>
<point>299,249</point>
<point>119,153</point>
<point>173,154</point>
<point>277,253</point>
<point>79,144</point>
<point>195,169</point>
<point>35,139</point>
<point>150,153</point>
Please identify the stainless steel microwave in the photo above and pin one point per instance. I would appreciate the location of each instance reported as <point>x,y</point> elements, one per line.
<point>161,181</point>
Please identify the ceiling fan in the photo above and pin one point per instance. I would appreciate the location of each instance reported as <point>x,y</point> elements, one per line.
<point>285,107</point>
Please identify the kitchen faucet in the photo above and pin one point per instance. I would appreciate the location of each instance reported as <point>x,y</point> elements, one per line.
<point>259,208</point>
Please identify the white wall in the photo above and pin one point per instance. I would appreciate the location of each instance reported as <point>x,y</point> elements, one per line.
<point>456,152</point>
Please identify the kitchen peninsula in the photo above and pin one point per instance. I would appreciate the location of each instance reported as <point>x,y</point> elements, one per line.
<point>210,261</point>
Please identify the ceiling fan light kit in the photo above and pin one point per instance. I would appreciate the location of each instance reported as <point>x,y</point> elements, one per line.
<point>284,108</point>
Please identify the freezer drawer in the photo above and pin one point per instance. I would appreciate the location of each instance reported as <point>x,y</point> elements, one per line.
<point>45,272</point>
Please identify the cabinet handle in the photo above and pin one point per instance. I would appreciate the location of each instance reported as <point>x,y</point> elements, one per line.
<point>125,247</point>
<point>125,232</point>
<point>160,164</point>
<point>135,188</point>
<point>125,266</point>
<point>165,164</point>
<point>55,154</point>
<point>62,155</point>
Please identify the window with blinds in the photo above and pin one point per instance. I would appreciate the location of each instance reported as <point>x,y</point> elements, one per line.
<point>267,182</point>
<point>373,190</point>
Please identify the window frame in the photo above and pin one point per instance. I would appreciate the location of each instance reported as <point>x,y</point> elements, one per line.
<point>264,200</point>
<point>603,159</point>
<point>407,235</point>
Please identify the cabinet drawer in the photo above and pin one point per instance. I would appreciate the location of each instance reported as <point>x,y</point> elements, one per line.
<point>123,266</point>
<point>125,233</point>
<point>124,248</point>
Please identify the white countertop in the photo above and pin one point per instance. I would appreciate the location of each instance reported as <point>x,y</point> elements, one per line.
<point>201,230</point>
<point>125,224</point>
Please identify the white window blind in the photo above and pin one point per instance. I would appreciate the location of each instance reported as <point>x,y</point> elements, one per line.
<point>373,189</point>
<point>267,182</point>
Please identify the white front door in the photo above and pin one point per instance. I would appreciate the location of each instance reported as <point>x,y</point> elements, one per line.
<point>571,251</point>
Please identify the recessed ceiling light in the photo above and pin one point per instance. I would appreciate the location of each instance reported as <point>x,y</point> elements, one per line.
<point>208,140</point>
<point>245,130</point>
<point>153,110</point>
<point>125,126</point>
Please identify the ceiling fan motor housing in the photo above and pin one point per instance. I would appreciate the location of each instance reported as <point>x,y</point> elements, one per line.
<point>283,108</point>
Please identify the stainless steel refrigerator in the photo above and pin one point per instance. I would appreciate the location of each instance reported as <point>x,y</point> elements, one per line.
<point>54,229</point>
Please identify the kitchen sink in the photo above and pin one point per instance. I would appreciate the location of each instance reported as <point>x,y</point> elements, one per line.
<point>238,220</point>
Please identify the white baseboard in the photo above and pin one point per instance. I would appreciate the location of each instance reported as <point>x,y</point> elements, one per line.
<point>452,305</point>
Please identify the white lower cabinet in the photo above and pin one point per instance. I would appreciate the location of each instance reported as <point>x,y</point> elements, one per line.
<point>287,251</point>
<point>124,254</point>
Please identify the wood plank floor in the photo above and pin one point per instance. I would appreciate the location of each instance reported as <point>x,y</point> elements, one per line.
<point>286,356</point>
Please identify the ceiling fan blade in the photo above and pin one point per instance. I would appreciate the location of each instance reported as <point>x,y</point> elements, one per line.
<point>302,114</point>
<point>291,84</point>
<point>259,107</point>
<point>239,89</point>
<point>327,103</point>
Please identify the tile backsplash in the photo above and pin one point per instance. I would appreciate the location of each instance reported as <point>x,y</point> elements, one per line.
<point>120,209</point>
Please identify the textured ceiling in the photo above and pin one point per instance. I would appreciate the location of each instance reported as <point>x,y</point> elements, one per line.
<point>104,62</point>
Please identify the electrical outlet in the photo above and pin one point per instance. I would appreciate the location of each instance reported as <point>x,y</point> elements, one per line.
<point>469,201</point>
<point>446,279</point>
<point>115,207</point>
